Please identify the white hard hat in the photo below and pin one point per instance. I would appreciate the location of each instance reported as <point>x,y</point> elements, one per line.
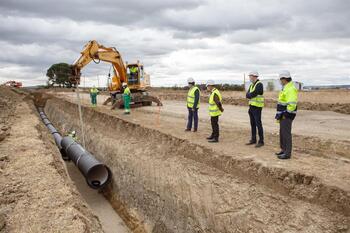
<point>190,80</point>
<point>284,74</point>
<point>254,73</point>
<point>73,132</point>
<point>124,84</point>
<point>210,83</point>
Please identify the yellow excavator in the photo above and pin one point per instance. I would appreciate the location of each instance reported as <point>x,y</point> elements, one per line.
<point>133,74</point>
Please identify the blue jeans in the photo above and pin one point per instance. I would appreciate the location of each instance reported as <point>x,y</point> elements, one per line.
<point>192,116</point>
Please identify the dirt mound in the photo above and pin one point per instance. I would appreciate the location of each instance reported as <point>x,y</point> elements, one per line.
<point>270,103</point>
<point>35,193</point>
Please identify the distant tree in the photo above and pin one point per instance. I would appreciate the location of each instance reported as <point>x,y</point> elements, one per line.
<point>59,74</point>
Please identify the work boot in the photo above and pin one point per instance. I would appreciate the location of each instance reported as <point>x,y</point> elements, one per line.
<point>126,113</point>
<point>213,140</point>
<point>283,156</point>
<point>279,153</point>
<point>260,144</point>
<point>195,130</point>
<point>187,130</point>
<point>251,142</point>
<point>210,137</point>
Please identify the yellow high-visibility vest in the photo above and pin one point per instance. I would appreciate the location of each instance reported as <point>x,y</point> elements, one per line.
<point>191,97</point>
<point>257,101</point>
<point>126,91</point>
<point>213,108</point>
<point>93,90</point>
<point>288,99</point>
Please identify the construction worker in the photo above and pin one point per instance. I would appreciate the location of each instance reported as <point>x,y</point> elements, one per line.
<point>73,135</point>
<point>215,110</point>
<point>256,104</point>
<point>93,96</point>
<point>133,74</point>
<point>126,98</point>
<point>193,101</point>
<point>286,112</point>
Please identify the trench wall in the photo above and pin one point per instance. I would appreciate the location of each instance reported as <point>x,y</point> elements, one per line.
<point>166,184</point>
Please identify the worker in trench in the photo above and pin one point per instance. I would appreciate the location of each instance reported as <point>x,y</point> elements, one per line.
<point>286,112</point>
<point>73,135</point>
<point>193,101</point>
<point>93,96</point>
<point>256,104</point>
<point>215,110</point>
<point>126,98</point>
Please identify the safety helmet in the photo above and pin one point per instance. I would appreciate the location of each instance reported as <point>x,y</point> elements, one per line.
<point>210,83</point>
<point>190,80</point>
<point>284,74</point>
<point>73,132</point>
<point>124,84</point>
<point>254,73</point>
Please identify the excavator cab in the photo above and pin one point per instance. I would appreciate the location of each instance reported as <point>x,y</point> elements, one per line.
<point>133,74</point>
<point>136,77</point>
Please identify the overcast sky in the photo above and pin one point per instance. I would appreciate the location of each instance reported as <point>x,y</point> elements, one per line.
<point>177,39</point>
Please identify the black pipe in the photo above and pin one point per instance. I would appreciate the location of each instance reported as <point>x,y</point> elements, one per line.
<point>96,173</point>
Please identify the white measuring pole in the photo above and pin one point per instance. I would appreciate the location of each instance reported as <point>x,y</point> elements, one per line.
<point>80,116</point>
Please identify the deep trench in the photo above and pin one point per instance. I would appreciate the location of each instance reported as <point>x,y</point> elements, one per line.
<point>162,184</point>
<point>101,207</point>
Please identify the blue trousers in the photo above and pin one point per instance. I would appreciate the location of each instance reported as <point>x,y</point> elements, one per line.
<point>192,116</point>
<point>255,123</point>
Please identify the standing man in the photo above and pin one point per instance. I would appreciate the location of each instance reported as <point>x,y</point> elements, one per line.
<point>193,100</point>
<point>256,104</point>
<point>215,110</point>
<point>93,96</point>
<point>126,98</point>
<point>286,112</point>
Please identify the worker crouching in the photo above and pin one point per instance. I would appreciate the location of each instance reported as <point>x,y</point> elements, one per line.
<point>215,110</point>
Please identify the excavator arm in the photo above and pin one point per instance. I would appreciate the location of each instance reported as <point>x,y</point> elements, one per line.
<point>96,52</point>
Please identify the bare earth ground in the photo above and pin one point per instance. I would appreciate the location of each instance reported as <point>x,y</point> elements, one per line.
<point>322,100</point>
<point>310,193</point>
<point>321,143</point>
<point>35,193</point>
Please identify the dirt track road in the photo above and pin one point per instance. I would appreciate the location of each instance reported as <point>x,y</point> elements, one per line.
<point>326,125</point>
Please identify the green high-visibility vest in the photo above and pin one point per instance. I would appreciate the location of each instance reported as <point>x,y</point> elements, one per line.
<point>213,108</point>
<point>257,101</point>
<point>191,97</point>
<point>288,99</point>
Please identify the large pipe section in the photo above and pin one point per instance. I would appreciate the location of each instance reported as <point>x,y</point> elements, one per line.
<point>96,173</point>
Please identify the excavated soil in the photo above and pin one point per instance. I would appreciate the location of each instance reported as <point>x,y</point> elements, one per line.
<point>337,101</point>
<point>36,195</point>
<point>164,181</point>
